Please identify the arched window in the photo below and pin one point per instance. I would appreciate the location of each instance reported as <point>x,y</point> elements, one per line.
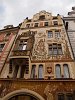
<point>58,71</point>
<point>66,71</point>
<point>33,71</point>
<point>40,71</point>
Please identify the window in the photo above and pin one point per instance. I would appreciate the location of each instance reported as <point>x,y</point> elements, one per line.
<point>50,34</point>
<point>69,96</point>
<point>36,24</point>
<point>57,34</point>
<point>46,23</point>
<point>61,96</point>
<point>66,71</point>
<point>58,71</point>
<point>28,25</point>
<point>55,23</point>
<point>40,71</point>
<point>65,96</point>
<point>41,17</point>
<point>33,71</point>
<point>1,46</point>
<point>22,45</point>
<point>55,49</point>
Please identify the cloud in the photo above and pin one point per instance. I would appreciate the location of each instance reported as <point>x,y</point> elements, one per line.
<point>15,11</point>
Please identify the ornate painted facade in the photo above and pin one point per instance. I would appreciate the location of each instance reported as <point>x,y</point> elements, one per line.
<point>40,63</point>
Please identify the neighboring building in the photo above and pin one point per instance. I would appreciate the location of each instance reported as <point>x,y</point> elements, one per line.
<point>7,37</point>
<point>40,64</point>
<point>70,27</point>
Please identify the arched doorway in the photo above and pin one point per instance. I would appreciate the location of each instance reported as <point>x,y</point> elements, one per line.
<point>23,94</point>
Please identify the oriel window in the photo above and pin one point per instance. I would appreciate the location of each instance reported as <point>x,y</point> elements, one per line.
<point>22,45</point>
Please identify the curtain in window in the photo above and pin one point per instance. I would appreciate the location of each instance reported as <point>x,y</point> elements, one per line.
<point>66,71</point>
<point>58,71</point>
<point>40,71</point>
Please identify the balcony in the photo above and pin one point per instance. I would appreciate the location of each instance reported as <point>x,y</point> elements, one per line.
<point>21,53</point>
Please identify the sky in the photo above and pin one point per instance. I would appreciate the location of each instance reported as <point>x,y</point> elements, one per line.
<point>13,12</point>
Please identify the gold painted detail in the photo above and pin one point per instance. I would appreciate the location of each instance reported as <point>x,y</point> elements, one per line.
<point>20,53</point>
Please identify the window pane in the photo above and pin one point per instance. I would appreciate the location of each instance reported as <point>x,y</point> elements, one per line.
<point>20,46</point>
<point>46,23</point>
<point>50,34</point>
<point>57,35</point>
<point>59,50</point>
<point>55,51</point>
<point>40,71</point>
<point>50,51</point>
<point>58,71</point>
<point>66,71</point>
<point>61,97</point>
<point>24,47</point>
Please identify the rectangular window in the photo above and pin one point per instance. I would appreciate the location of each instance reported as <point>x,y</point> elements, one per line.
<point>55,49</point>
<point>46,23</point>
<point>28,25</point>
<point>42,17</point>
<point>50,34</point>
<point>55,23</point>
<point>36,24</point>
<point>57,34</point>
<point>22,45</point>
<point>1,47</point>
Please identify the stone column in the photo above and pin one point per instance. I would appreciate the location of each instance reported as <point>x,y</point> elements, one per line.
<point>19,72</point>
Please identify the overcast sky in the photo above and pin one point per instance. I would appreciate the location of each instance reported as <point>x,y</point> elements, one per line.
<point>15,11</point>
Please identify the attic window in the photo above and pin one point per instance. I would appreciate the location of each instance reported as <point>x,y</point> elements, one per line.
<point>42,17</point>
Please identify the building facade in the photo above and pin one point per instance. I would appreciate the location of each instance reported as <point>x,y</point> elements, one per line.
<point>70,27</point>
<point>40,63</point>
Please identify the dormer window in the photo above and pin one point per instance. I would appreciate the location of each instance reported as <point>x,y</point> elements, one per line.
<point>41,17</point>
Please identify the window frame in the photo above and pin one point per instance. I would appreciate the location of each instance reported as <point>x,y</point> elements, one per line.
<point>65,95</point>
<point>52,48</point>
<point>50,34</point>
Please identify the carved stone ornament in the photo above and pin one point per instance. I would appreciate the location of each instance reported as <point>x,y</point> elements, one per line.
<point>49,69</point>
